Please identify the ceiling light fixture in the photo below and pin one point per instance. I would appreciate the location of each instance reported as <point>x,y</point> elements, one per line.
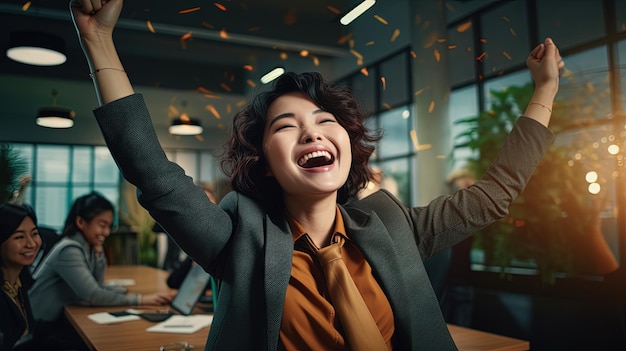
<point>54,116</point>
<point>184,125</point>
<point>356,12</point>
<point>36,48</point>
<point>273,74</point>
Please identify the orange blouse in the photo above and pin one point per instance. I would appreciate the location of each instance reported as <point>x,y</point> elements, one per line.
<point>309,321</point>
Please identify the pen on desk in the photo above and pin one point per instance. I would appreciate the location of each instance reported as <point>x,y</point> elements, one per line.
<point>177,326</point>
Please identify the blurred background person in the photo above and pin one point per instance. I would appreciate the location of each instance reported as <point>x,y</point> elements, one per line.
<point>73,273</point>
<point>19,244</point>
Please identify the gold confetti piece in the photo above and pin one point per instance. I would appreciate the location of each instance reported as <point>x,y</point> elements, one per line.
<point>344,39</point>
<point>186,36</point>
<point>384,81</point>
<point>387,106</point>
<point>211,96</point>
<point>225,87</point>
<point>484,41</point>
<point>506,54</point>
<point>437,55</point>
<point>283,55</point>
<point>150,27</point>
<point>590,88</point>
<point>193,9</point>
<point>229,108</point>
<point>241,103</point>
<point>369,43</point>
<point>451,47</point>
<point>184,117</point>
<point>364,71</point>
<point>506,19</point>
<point>513,32</point>
<point>251,83</point>
<point>442,40</point>
<point>395,35</point>
<point>419,91</point>
<point>461,28</point>
<point>291,17</point>
<point>431,106</point>
<point>413,54</point>
<point>199,137</point>
<point>248,67</point>
<point>304,53</point>
<point>26,6</point>
<point>316,61</point>
<point>220,6</point>
<point>333,9</point>
<point>380,19</point>
<point>481,56</point>
<point>204,90</point>
<point>223,34</point>
<point>416,143</point>
<point>213,111</point>
<point>430,40</point>
<point>356,53</point>
<point>221,125</point>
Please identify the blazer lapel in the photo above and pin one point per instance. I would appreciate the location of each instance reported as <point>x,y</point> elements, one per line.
<point>278,257</point>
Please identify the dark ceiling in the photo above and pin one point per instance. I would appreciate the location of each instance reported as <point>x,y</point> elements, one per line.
<point>257,32</point>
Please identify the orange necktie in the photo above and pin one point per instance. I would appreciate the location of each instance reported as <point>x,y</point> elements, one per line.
<point>359,326</point>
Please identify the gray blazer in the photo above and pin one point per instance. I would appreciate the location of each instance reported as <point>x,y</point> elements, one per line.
<point>248,248</point>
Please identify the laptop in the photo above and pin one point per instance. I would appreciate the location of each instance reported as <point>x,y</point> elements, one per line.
<point>190,291</point>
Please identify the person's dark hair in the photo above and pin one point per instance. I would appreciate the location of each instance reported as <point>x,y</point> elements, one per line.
<point>244,162</point>
<point>87,207</point>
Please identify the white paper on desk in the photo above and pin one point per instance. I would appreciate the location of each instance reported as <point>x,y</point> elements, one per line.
<point>107,318</point>
<point>182,324</point>
<point>119,282</point>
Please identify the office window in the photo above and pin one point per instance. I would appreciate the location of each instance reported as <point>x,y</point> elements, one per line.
<point>461,53</point>
<point>620,14</point>
<point>394,85</point>
<point>463,105</point>
<point>570,24</point>
<point>505,37</point>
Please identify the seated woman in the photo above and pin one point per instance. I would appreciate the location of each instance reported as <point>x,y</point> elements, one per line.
<point>19,244</point>
<point>73,272</point>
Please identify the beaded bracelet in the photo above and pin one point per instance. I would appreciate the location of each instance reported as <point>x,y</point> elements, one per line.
<point>102,69</point>
<point>542,105</point>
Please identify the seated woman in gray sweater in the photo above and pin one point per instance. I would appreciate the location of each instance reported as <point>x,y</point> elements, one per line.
<point>73,272</point>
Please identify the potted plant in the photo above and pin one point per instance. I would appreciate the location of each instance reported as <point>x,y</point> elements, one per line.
<point>12,168</point>
<point>553,215</point>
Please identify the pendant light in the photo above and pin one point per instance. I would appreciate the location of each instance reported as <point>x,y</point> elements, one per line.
<point>185,125</point>
<point>54,116</point>
<point>36,48</point>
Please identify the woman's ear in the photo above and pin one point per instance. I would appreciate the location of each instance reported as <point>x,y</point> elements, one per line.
<point>80,222</point>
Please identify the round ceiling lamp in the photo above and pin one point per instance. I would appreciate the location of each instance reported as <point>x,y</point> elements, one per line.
<point>184,125</point>
<point>36,48</point>
<point>54,116</point>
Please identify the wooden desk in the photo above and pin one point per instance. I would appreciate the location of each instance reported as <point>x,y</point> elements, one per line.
<point>130,335</point>
<point>133,335</point>
<point>475,340</point>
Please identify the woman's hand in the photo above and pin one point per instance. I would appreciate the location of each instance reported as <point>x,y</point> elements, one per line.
<point>94,20</point>
<point>156,299</point>
<point>544,63</point>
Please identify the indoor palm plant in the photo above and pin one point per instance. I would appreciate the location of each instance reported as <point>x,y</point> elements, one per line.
<point>12,168</point>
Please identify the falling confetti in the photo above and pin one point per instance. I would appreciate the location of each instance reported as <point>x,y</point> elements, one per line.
<point>204,90</point>
<point>332,9</point>
<point>369,43</point>
<point>437,55</point>
<point>481,56</point>
<point>395,35</point>
<point>213,111</point>
<point>26,6</point>
<point>208,25</point>
<point>248,68</point>
<point>251,83</point>
<point>380,19</point>
<point>150,27</point>
<point>199,137</point>
<point>506,54</point>
<point>344,39</point>
<point>220,6</point>
<point>304,53</point>
<point>364,71</point>
<point>461,28</point>
<point>193,9</point>
<point>413,54</point>
<point>283,55</point>
<point>431,107</point>
<point>387,106</point>
<point>451,47</point>
<point>186,36</point>
<point>225,87</point>
<point>316,61</point>
<point>357,54</point>
<point>223,34</point>
<point>416,143</point>
<point>419,91</point>
<point>484,41</point>
<point>513,32</point>
<point>506,19</point>
<point>384,81</point>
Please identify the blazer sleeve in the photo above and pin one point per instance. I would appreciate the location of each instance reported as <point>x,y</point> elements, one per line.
<point>198,226</point>
<point>449,219</point>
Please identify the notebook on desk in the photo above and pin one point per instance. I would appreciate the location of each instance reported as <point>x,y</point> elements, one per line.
<point>188,294</point>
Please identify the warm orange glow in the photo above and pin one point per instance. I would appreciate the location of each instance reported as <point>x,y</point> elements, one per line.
<point>189,10</point>
<point>220,6</point>
<point>380,19</point>
<point>461,28</point>
<point>150,27</point>
<point>213,111</point>
<point>26,6</point>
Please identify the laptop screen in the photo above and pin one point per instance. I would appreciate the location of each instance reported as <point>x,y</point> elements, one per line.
<point>190,290</point>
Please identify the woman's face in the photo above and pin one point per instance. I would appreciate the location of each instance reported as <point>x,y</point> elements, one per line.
<point>97,229</point>
<point>307,150</point>
<point>21,248</point>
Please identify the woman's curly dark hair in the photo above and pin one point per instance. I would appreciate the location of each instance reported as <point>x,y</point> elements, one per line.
<point>244,162</point>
